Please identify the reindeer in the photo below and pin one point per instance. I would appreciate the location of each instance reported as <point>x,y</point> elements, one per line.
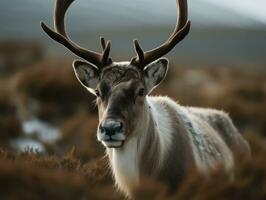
<point>147,136</point>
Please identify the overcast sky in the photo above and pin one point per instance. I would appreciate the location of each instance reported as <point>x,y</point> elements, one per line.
<point>255,9</point>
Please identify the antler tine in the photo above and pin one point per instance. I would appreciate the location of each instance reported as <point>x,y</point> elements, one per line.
<point>106,50</point>
<point>61,7</point>
<point>103,43</point>
<point>60,35</point>
<point>139,50</point>
<point>181,30</point>
<point>182,17</point>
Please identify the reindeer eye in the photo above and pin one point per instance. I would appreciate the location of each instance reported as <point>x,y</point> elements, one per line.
<point>97,93</point>
<point>141,92</point>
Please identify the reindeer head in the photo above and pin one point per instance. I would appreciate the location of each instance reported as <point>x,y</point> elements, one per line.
<point>120,87</point>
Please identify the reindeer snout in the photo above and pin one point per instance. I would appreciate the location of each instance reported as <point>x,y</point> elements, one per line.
<point>112,133</point>
<point>111,127</point>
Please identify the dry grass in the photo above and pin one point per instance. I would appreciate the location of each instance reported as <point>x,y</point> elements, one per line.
<point>80,131</point>
<point>16,55</point>
<point>53,84</point>
<point>9,123</point>
<point>35,176</point>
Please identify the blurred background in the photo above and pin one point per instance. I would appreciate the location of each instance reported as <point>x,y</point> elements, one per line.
<point>43,109</point>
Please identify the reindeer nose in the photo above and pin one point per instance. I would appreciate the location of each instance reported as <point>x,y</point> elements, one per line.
<point>111,127</point>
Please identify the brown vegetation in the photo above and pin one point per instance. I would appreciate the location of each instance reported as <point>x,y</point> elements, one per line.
<point>9,123</point>
<point>17,55</point>
<point>80,131</point>
<point>53,84</point>
<point>35,176</point>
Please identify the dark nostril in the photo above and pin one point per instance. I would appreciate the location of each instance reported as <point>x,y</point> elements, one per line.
<point>102,129</point>
<point>111,127</point>
<point>119,126</point>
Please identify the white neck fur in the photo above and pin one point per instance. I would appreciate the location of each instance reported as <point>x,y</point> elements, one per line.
<point>125,162</point>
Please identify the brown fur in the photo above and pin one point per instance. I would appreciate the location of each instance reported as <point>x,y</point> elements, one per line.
<point>118,86</point>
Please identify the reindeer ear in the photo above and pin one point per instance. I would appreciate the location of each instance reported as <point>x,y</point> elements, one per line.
<point>87,74</point>
<point>155,72</point>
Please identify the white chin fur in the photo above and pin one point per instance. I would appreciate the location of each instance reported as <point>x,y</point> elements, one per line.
<point>112,144</point>
<point>118,136</point>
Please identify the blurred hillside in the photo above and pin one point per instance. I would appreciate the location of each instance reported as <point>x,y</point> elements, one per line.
<point>221,34</point>
<point>91,15</point>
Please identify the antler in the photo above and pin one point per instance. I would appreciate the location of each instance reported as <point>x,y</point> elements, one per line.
<point>59,35</point>
<point>181,30</point>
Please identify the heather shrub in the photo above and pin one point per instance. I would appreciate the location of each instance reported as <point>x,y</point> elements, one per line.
<point>16,55</point>
<point>33,175</point>
<point>53,84</point>
<point>9,123</point>
<point>79,131</point>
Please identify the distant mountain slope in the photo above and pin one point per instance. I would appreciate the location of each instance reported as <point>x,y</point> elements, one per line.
<point>21,17</point>
<point>220,35</point>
